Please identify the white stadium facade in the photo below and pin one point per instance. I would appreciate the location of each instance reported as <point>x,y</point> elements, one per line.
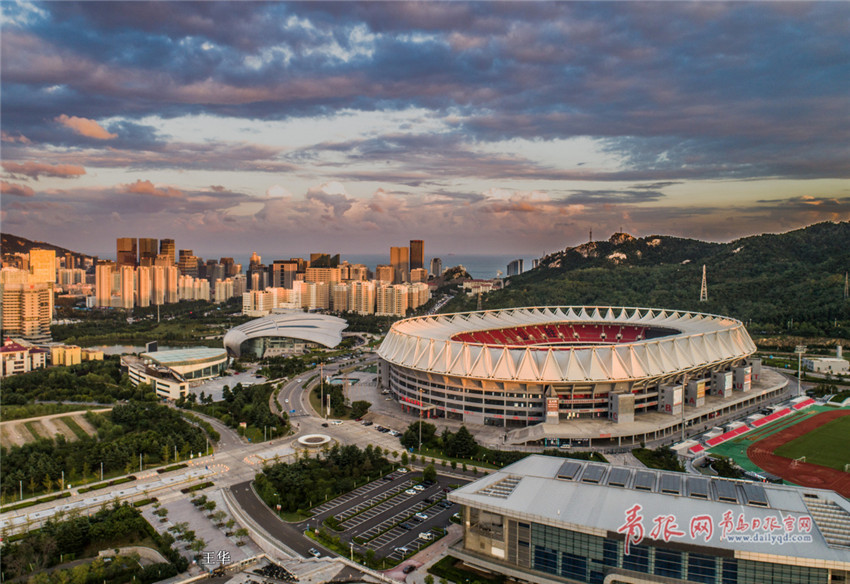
<point>635,369</point>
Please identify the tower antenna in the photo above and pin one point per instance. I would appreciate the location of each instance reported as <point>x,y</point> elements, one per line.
<point>703,289</point>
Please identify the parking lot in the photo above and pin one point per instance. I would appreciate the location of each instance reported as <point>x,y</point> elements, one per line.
<point>394,516</point>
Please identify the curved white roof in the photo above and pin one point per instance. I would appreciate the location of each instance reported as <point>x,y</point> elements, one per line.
<point>425,344</point>
<point>316,328</point>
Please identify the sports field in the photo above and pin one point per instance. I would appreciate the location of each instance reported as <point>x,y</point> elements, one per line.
<point>825,446</point>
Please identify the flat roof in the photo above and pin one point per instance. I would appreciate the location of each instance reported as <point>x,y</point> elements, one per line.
<point>185,355</point>
<point>552,491</point>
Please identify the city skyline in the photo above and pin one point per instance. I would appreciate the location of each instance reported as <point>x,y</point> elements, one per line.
<point>488,128</point>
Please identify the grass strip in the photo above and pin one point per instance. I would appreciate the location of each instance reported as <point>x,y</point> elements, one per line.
<point>75,427</point>
<point>30,503</point>
<point>111,483</point>
<point>197,487</point>
<point>171,468</point>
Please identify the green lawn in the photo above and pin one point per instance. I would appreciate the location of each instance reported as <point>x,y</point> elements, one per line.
<point>825,446</point>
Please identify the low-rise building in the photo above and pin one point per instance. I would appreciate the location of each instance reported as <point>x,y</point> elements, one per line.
<point>171,373</point>
<point>548,520</point>
<point>17,356</point>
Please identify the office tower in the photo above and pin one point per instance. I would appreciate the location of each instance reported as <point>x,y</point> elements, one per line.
<point>127,254</point>
<point>324,260</point>
<point>43,265</point>
<point>515,268</point>
<point>302,264</point>
<point>255,260</point>
<point>103,283</point>
<point>147,250</point>
<point>70,261</point>
<point>258,277</point>
<point>168,249</point>
<point>384,273</point>
<point>240,286</point>
<point>215,271</point>
<point>417,254</point>
<point>188,263</point>
<point>535,262</point>
<point>437,267</point>
<point>400,261</point>
<point>27,310</point>
<point>418,275</point>
<point>143,286</point>
<point>283,273</point>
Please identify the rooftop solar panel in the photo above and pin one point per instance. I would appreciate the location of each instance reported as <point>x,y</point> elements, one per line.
<point>569,470</point>
<point>697,487</point>
<point>754,494</point>
<point>593,473</point>
<point>671,484</point>
<point>619,477</point>
<point>726,491</point>
<point>644,480</point>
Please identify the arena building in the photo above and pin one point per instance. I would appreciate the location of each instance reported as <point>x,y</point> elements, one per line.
<point>643,371</point>
<point>285,333</point>
<point>171,373</point>
<point>549,520</point>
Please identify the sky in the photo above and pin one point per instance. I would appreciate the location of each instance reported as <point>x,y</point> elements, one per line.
<point>505,128</point>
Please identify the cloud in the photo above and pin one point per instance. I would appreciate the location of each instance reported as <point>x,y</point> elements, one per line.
<point>20,138</point>
<point>15,190</point>
<point>332,195</point>
<point>36,169</point>
<point>85,127</point>
<point>146,187</point>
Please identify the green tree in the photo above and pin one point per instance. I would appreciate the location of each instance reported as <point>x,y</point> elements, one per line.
<point>404,459</point>
<point>429,473</point>
<point>429,579</point>
<point>359,408</point>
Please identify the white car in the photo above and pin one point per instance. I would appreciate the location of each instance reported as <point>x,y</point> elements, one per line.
<point>286,400</point>
<point>402,470</point>
<point>410,492</point>
<point>421,516</point>
<point>336,422</point>
<point>419,487</point>
<point>426,536</point>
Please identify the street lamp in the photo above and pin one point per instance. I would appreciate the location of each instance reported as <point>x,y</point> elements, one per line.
<point>799,349</point>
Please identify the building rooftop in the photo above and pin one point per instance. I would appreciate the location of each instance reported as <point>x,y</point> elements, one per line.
<point>184,355</point>
<point>596,498</point>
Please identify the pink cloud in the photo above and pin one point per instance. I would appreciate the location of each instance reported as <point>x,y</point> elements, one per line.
<point>4,137</point>
<point>15,190</point>
<point>146,187</point>
<point>85,127</point>
<point>36,169</point>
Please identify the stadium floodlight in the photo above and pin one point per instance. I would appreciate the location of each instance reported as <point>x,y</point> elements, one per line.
<point>799,349</point>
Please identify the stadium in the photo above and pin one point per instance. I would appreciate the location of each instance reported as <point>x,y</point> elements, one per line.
<point>575,373</point>
<point>284,333</point>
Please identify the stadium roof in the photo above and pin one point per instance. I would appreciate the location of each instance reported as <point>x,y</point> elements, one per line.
<point>316,328</point>
<point>425,344</point>
<point>594,498</point>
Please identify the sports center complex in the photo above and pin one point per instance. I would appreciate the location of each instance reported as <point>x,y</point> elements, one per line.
<point>596,376</point>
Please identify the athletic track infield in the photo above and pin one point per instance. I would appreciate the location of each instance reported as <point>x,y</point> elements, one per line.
<point>801,473</point>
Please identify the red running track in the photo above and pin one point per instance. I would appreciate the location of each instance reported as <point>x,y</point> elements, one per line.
<point>800,473</point>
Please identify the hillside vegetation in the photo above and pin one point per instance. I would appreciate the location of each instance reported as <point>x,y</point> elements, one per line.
<point>787,283</point>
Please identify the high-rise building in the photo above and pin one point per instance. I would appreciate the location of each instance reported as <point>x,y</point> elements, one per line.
<point>417,254</point>
<point>437,267</point>
<point>323,275</point>
<point>158,285</point>
<point>384,273</point>
<point>255,260</point>
<point>126,251</point>
<point>103,283</point>
<point>27,310</point>
<point>418,275</point>
<point>171,275</point>
<point>70,261</point>
<point>127,292</point>
<point>400,261</point>
<point>324,260</point>
<point>188,263</point>
<point>515,268</point>
<point>43,265</point>
<point>283,273</point>
<point>361,298</point>
<point>168,249</point>
<point>147,250</point>
<point>391,300</point>
<point>229,267</point>
<point>143,286</point>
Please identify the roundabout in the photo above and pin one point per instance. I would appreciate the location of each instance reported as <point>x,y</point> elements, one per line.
<point>314,440</point>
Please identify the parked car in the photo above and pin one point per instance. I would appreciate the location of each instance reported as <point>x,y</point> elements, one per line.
<point>366,423</point>
<point>421,516</point>
<point>408,569</point>
<point>418,488</point>
<point>426,536</point>
<point>315,553</point>
<point>410,492</point>
<point>405,525</point>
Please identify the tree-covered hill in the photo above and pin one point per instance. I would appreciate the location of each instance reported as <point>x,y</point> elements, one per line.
<point>786,282</point>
